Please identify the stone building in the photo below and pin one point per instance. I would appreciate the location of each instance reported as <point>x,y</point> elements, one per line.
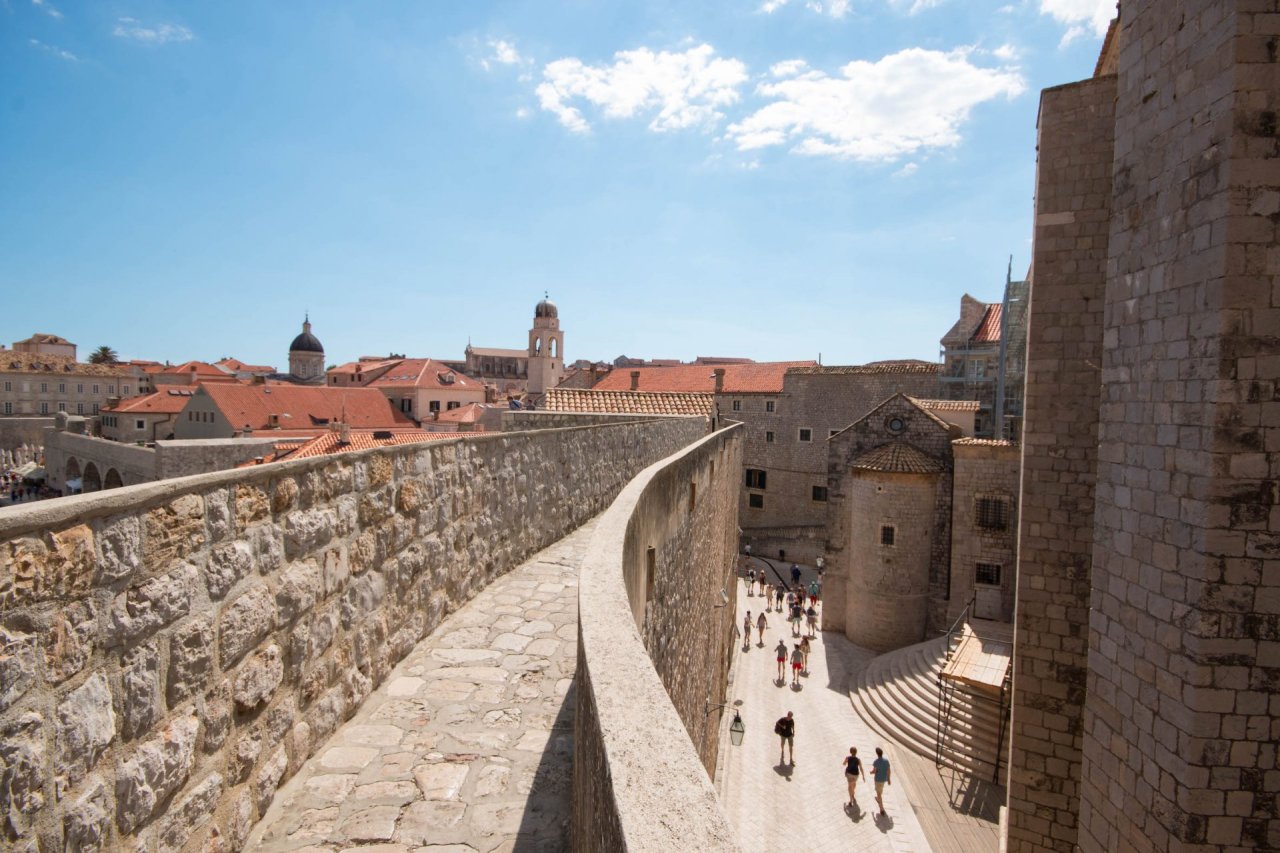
<point>1147,652</point>
<point>512,372</point>
<point>39,384</point>
<point>423,388</point>
<point>219,410</point>
<point>45,344</point>
<point>146,418</point>
<point>306,357</point>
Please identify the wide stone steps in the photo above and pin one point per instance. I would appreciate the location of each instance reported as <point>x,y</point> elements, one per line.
<point>898,693</point>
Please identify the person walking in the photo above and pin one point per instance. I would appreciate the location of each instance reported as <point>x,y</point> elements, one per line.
<point>780,651</point>
<point>804,649</point>
<point>795,575</point>
<point>813,592</point>
<point>768,591</point>
<point>811,617</point>
<point>750,580</point>
<point>796,615</point>
<point>746,631</point>
<point>852,770</point>
<point>761,624</point>
<point>785,729</point>
<point>780,596</point>
<point>881,775</point>
<point>797,664</point>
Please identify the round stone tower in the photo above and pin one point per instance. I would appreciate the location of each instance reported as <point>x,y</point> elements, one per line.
<point>546,348</point>
<point>892,498</point>
<point>306,355</point>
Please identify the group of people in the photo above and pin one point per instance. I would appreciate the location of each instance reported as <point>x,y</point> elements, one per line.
<point>881,774</point>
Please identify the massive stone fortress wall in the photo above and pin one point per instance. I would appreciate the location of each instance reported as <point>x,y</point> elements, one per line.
<point>173,651</point>
<point>1060,440</point>
<point>983,469</point>
<point>1184,641</point>
<point>655,639</point>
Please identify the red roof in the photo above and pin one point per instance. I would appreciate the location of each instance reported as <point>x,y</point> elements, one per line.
<point>989,329</point>
<point>425,373</point>
<point>331,442</point>
<point>235,365</point>
<point>763,377</point>
<point>468,414</point>
<point>201,370</point>
<point>630,402</point>
<point>364,365</point>
<point>303,407</point>
<point>167,401</point>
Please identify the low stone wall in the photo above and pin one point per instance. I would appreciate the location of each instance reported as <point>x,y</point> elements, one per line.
<point>15,432</point>
<point>171,652</point>
<point>522,419</point>
<point>654,640</point>
<point>184,457</point>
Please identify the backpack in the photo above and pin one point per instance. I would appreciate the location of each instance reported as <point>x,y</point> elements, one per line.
<point>778,728</point>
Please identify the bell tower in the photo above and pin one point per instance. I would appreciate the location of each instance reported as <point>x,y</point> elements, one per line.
<point>546,348</point>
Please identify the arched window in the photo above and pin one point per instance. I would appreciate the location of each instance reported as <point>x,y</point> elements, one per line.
<point>112,480</point>
<point>555,350</point>
<point>92,479</point>
<point>537,346</point>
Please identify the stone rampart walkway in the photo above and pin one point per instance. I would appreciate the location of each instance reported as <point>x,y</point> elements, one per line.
<point>467,747</point>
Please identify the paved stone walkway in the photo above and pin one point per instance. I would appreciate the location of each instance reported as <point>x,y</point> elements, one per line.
<point>779,807</point>
<point>467,747</point>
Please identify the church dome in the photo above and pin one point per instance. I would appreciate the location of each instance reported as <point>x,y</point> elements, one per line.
<point>545,308</point>
<point>306,342</point>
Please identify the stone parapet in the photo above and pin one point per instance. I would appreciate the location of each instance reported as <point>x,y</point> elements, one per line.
<point>655,635</point>
<point>171,652</point>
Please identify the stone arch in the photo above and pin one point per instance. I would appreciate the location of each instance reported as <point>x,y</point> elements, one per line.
<point>72,471</point>
<point>112,480</point>
<point>537,345</point>
<point>554,349</point>
<point>92,479</point>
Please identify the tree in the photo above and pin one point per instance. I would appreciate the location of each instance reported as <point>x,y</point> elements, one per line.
<point>104,355</point>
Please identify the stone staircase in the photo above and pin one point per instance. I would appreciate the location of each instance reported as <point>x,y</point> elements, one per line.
<point>898,693</point>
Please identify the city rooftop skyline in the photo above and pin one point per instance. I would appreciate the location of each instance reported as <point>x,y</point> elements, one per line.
<point>773,179</point>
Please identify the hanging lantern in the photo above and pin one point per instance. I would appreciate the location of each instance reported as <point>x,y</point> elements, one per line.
<point>737,729</point>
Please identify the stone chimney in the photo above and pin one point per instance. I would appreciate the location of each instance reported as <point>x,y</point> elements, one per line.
<point>635,380</point>
<point>719,372</point>
<point>344,433</point>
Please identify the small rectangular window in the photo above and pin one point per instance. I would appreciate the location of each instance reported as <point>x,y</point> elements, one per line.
<point>887,534</point>
<point>95,389</point>
<point>44,387</point>
<point>737,405</point>
<point>820,493</point>
<point>95,408</point>
<point>79,408</point>
<point>79,387</point>
<point>433,406</point>
<point>756,478</point>
<point>987,574</point>
<point>806,434</point>
<point>8,408</point>
<point>62,407</point>
<point>62,387</point>
<point>453,404</point>
<point>8,386</point>
<point>139,424</point>
<point>755,501</point>
<point>992,513</point>
<point>768,437</point>
<point>111,389</point>
<point>831,433</point>
<point>768,406</point>
<point>124,389</point>
<point>44,408</point>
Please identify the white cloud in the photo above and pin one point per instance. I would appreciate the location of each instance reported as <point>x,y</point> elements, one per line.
<point>907,102</point>
<point>55,51</point>
<point>1081,17</point>
<point>788,68</point>
<point>502,52</point>
<point>831,8</point>
<point>1006,52</point>
<point>132,28</point>
<point>523,112</point>
<point>682,90</point>
<point>907,170</point>
<point>915,6</point>
<point>47,8</point>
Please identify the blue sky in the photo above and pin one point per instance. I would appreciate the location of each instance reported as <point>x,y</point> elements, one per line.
<point>764,178</point>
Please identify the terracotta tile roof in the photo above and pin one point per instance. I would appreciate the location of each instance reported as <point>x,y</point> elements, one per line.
<point>496,352</point>
<point>303,407</point>
<point>235,365</point>
<point>167,401</point>
<point>897,457</point>
<point>364,365</point>
<point>468,414</point>
<point>989,329</point>
<point>762,377</point>
<point>424,373</point>
<point>904,365</point>
<point>630,402</point>
<point>331,442</point>
<point>202,369</point>
<point>35,362</point>
<point>984,442</point>
<point>947,405</point>
<point>45,338</point>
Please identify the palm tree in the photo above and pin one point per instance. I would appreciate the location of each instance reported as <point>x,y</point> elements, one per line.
<point>104,355</point>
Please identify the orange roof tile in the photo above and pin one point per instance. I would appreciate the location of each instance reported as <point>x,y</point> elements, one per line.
<point>11,360</point>
<point>364,365</point>
<point>424,373</point>
<point>630,402</point>
<point>902,365</point>
<point>167,401</point>
<point>199,367</point>
<point>947,405</point>
<point>763,377</point>
<point>237,366</point>
<point>331,441</point>
<point>468,414</point>
<point>984,442</point>
<point>989,329</point>
<point>303,407</point>
<point>897,457</point>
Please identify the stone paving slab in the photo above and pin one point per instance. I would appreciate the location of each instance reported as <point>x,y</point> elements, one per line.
<point>773,806</point>
<point>467,746</point>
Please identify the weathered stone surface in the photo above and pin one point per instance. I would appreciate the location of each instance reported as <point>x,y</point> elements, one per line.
<point>156,769</point>
<point>364,594</point>
<point>300,585</point>
<point>306,530</point>
<point>442,780</point>
<point>285,495</point>
<point>268,547</point>
<point>337,568</point>
<point>88,820</point>
<point>190,814</point>
<point>251,505</point>
<point>23,765</point>
<point>119,549</point>
<point>140,689</point>
<point>269,776</point>
<point>215,716</point>
<point>58,565</point>
<point>228,563</point>
<point>259,678</point>
<point>17,664</point>
<point>244,756</point>
<point>153,604</point>
<point>217,514</point>
<point>70,641</point>
<point>410,497</point>
<point>173,531</point>
<point>86,725</point>
<point>190,658</point>
<point>375,824</point>
<point>245,622</point>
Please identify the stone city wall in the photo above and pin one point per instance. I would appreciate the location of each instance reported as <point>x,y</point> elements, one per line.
<point>1059,463</point>
<point>171,652</point>
<point>134,464</point>
<point>984,469</point>
<point>519,419</point>
<point>182,458</point>
<point>15,432</point>
<point>655,640</point>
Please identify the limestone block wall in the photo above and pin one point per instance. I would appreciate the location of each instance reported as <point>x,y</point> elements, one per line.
<point>1182,716</point>
<point>1059,463</point>
<point>655,641</point>
<point>171,652</point>
<point>983,469</point>
<point>134,464</point>
<point>179,458</point>
<point>515,420</point>
<point>15,432</point>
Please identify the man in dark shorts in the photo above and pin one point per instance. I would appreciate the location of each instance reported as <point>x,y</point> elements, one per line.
<point>880,772</point>
<point>786,729</point>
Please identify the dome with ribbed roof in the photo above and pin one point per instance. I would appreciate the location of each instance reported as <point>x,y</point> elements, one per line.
<point>306,342</point>
<point>545,308</point>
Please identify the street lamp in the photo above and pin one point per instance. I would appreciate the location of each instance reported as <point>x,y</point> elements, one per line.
<point>736,729</point>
